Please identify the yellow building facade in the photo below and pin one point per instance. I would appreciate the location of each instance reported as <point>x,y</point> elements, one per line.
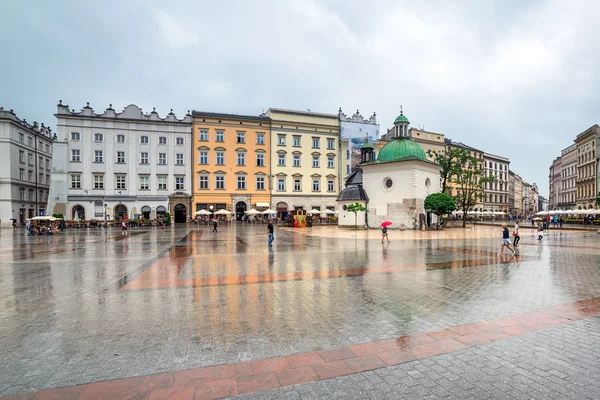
<point>430,142</point>
<point>231,162</point>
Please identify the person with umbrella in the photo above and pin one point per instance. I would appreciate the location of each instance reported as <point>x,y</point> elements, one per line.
<point>384,232</point>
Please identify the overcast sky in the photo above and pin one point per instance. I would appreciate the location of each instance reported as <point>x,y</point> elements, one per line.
<point>515,78</point>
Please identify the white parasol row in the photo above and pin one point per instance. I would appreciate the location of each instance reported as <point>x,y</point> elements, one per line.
<point>567,212</point>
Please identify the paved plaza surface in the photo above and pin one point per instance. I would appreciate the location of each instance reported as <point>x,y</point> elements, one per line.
<point>326,313</point>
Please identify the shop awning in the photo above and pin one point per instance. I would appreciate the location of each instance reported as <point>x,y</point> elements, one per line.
<point>262,205</point>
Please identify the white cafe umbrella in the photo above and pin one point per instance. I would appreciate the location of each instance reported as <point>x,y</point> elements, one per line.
<point>203,212</point>
<point>268,211</point>
<point>43,218</point>
<point>314,211</point>
<point>329,212</point>
<point>252,211</point>
<point>223,212</point>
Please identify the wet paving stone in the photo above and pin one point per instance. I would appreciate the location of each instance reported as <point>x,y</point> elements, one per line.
<point>91,306</point>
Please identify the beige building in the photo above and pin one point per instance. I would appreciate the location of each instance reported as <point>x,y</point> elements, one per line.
<point>567,191</point>
<point>515,193</point>
<point>304,160</point>
<point>496,193</point>
<point>587,166</point>
<point>430,142</point>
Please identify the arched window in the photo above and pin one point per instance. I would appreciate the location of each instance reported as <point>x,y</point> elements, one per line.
<point>78,212</point>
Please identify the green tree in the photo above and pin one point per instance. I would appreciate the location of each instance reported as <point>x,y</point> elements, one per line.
<point>167,219</point>
<point>448,165</point>
<point>440,204</point>
<point>356,208</point>
<point>469,181</point>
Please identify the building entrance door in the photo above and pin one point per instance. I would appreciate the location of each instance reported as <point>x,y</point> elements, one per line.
<point>240,210</point>
<point>180,213</point>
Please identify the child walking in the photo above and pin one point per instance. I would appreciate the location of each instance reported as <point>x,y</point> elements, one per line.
<point>505,240</point>
<point>540,230</point>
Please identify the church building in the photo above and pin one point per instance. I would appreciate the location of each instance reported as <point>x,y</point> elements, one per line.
<point>393,186</point>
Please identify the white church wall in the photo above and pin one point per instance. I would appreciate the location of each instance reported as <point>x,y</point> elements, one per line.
<point>346,218</point>
<point>402,202</point>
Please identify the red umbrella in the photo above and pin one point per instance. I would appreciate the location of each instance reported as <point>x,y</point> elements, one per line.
<point>386,223</point>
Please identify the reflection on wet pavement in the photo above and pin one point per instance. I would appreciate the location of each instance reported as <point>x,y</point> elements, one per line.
<point>91,305</point>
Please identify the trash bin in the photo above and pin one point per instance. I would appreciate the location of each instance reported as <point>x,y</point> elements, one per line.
<point>310,224</point>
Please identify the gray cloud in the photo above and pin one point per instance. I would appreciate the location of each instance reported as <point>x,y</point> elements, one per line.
<point>510,78</point>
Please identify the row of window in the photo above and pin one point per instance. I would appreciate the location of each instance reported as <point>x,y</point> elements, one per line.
<point>30,177</point>
<point>587,157</point>
<point>260,139</point>
<point>29,195</point>
<point>568,183</point>
<point>121,182</point>
<point>569,171</point>
<point>297,142</point>
<point>41,159</point>
<point>219,183</point>
<point>41,145</point>
<point>144,157</point>
<point>495,185</point>
<point>586,191</point>
<point>489,198</point>
<point>240,137</point>
<point>587,171</point>
<point>567,198</point>
<point>489,164</point>
<point>99,138</point>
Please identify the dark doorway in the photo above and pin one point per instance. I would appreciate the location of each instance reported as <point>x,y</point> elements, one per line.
<point>180,213</point>
<point>120,212</point>
<point>240,210</point>
<point>78,213</point>
<point>146,212</point>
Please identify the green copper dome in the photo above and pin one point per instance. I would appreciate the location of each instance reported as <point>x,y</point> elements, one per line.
<point>401,118</point>
<point>401,149</point>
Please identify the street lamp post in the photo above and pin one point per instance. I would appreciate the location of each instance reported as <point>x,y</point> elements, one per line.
<point>211,207</point>
<point>105,205</point>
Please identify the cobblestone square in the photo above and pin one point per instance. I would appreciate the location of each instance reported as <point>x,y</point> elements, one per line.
<point>184,312</point>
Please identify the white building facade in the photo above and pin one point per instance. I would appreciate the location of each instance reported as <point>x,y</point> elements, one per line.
<point>567,192</point>
<point>25,173</point>
<point>496,193</point>
<point>114,166</point>
<point>354,132</point>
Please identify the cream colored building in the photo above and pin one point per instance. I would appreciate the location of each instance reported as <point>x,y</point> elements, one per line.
<point>567,192</point>
<point>515,193</point>
<point>431,142</point>
<point>587,166</point>
<point>305,168</point>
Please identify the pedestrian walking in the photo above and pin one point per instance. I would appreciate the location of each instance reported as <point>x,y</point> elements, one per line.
<point>540,230</point>
<point>505,240</point>
<point>384,234</point>
<point>516,233</point>
<point>124,228</point>
<point>215,225</point>
<point>270,233</point>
